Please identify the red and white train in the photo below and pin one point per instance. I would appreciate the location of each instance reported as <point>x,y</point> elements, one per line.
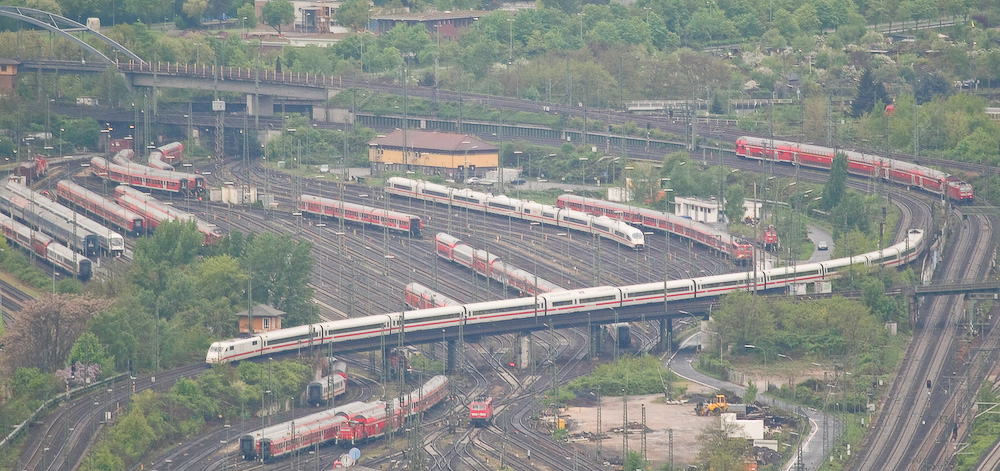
<point>354,422</point>
<point>394,220</point>
<point>737,248</point>
<point>865,165</point>
<point>481,411</point>
<point>531,211</point>
<point>142,176</point>
<point>97,205</point>
<point>769,238</point>
<point>419,296</point>
<point>556,303</point>
<point>165,156</point>
<point>46,247</point>
<point>482,262</point>
<point>155,212</point>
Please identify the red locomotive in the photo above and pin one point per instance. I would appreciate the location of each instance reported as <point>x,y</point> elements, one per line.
<point>865,165</point>
<point>769,238</point>
<point>481,411</point>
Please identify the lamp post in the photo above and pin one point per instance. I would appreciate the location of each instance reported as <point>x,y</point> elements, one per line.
<point>583,170</point>
<point>61,131</point>
<point>764,352</point>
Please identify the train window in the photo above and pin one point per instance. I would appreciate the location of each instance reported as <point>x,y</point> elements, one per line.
<point>501,309</point>
<point>432,319</point>
<point>645,293</point>
<point>601,228</point>
<point>254,342</point>
<point>598,299</point>
<point>435,193</point>
<point>354,329</point>
<point>548,215</point>
<point>562,303</point>
<point>502,206</point>
<point>724,283</point>
<point>402,187</point>
<point>575,220</point>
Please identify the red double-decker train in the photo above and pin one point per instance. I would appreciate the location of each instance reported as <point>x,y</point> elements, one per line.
<point>861,164</point>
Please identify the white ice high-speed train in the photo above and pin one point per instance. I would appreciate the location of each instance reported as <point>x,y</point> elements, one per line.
<point>531,211</point>
<point>555,303</point>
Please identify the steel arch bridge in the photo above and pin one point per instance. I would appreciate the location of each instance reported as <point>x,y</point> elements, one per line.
<point>64,27</point>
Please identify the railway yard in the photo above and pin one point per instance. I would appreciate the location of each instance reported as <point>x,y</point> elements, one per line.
<point>361,270</point>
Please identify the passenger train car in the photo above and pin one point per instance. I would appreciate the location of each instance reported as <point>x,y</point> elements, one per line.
<point>418,296</point>
<point>394,220</point>
<point>53,225</point>
<point>737,248</point>
<point>141,176</point>
<point>521,209</point>
<point>556,303</point>
<point>323,389</point>
<point>104,208</point>
<point>164,156</point>
<point>353,422</point>
<point>110,242</point>
<point>865,165</point>
<point>482,262</point>
<point>155,212</point>
<point>46,248</point>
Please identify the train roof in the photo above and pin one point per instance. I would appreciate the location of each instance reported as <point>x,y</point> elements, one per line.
<point>107,204</point>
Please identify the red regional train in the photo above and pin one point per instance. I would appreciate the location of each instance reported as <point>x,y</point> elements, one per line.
<point>99,206</point>
<point>155,212</point>
<point>481,411</point>
<point>739,249</point>
<point>164,156</point>
<point>419,296</point>
<point>394,220</point>
<point>46,247</point>
<point>353,422</point>
<point>141,176</point>
<point>452,249</point>
<point>865,165</point>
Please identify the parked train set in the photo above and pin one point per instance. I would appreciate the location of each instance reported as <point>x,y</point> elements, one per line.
<point>858,163</point>
<point>328,387</point>
<point>738,249</point>
<point>353,422</point>
<point>155,212</point>
<point>121,170</point>
<point>108,241</point>
<point>554,304</point>
<point>521,209</point>
<point>394,220</point>
<point>46,247</point>
<point>482,262</point>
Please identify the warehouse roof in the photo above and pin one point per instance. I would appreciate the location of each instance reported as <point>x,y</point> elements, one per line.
<point>433,140</point>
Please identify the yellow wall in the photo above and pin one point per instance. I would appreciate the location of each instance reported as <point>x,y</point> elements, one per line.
<point>430,159</point>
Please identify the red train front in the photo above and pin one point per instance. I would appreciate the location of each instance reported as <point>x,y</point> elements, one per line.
<point>770,238</point>
<point>481,411</point>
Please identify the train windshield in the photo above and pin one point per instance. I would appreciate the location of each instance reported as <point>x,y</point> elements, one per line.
<point>214,349</point>
<point>479,407</point>
<point>637,236</point>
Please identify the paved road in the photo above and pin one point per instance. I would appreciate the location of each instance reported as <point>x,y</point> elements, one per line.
<point>812,448</point>
<point>816,235</point>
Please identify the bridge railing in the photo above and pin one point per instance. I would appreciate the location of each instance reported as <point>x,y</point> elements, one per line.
<point>244,74</point>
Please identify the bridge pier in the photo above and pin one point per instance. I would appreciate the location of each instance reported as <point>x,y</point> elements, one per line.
<point>450,365</point>
<point>663,343</point>
<point>522,350</point>
<point>260,105</point>
<point>595,340</point>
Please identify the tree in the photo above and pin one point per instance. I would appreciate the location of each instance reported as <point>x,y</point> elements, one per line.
<point>250,13</point>
<point>870,91</point>
<point>833,190</point>
<point>46,329</point>
<point>276,13</point>
<point>721,452</point>
<point>929,86</point>
<point>734,203</point>
<point>353,14</point>
<point>279,275</point>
